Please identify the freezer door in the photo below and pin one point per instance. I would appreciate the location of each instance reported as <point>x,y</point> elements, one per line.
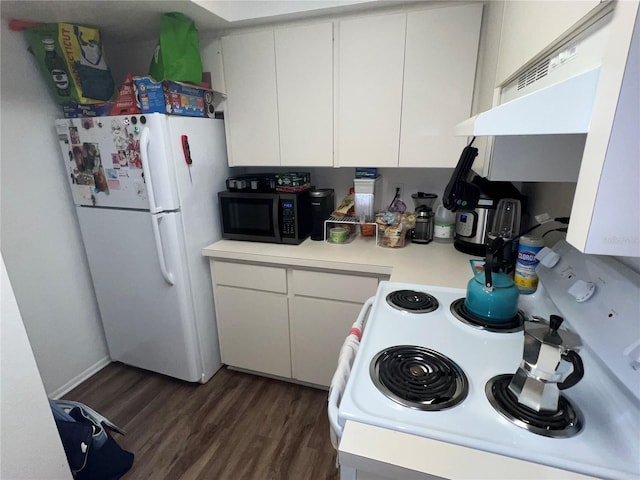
<point>102,161</point>
<point>142,290</point>
<point>160,172</point>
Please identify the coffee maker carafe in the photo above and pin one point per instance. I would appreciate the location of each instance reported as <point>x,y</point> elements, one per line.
<point>541,374</point>
<point>423,230</point>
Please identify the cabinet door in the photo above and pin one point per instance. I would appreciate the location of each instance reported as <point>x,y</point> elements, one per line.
<point>369,71</point>
<point>439,74</point>
<point>318,330</point>
<point>253,328</point>
<point>304,68</point>
<point>251,115</point>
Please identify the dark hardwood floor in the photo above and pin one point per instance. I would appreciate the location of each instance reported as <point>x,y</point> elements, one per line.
<point>236,426</point>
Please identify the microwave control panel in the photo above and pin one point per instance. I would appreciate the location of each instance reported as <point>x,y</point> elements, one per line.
<point>288,216</point>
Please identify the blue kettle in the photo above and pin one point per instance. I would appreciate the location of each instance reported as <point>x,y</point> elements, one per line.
<point>492,296</point>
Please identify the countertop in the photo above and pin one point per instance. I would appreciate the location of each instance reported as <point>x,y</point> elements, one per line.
<point>431,264</point>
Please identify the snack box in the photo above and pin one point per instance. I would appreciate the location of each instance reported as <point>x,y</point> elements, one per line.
<point>75,110</point>
<point>293,179</point>
<point>174,98</point>
<point>366,172</point>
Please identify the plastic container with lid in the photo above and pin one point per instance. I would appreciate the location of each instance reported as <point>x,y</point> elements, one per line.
<point>444,225</point>
<point>338,234</point>
<point>525,276</point>
<point>367,198</point>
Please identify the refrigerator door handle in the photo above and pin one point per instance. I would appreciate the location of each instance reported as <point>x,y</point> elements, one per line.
<point>144,156</point>
<point>166,274</point>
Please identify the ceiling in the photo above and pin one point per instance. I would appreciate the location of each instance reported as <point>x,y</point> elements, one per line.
<point>128,20</point>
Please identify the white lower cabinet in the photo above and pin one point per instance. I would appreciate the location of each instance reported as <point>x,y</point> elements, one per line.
<point>253,327</point>
<point>283,321</point>
<point>324,305</point>
<point>252,313</point>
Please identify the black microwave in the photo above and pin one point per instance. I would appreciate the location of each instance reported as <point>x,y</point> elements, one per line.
<point>277,217</point>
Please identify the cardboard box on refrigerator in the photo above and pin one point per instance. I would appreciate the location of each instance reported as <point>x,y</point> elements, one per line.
<point>174,98</point>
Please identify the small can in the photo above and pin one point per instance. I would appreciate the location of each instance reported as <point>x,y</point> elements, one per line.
<point>525,276</point>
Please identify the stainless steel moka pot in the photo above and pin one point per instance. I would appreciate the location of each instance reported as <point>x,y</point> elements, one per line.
<point>542,373</point>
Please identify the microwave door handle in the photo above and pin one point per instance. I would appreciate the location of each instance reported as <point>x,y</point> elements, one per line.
<point>144,157</point>
<point>277,221</point>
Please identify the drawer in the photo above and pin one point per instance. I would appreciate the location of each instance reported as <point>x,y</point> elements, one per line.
<point>334,286</point>
<point>256,277</point>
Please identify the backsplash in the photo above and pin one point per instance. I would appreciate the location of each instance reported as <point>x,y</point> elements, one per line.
<point>552,198</point>
<point>432,180</point>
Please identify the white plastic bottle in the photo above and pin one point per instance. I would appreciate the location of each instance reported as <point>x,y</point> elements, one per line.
<point>525,276</point>
<point>444,225</point>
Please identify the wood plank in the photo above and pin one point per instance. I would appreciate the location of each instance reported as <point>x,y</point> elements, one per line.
<point>236,426</point>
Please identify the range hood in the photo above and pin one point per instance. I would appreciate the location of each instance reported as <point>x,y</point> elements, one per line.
<point>561,108</point>
<point>554,95</point>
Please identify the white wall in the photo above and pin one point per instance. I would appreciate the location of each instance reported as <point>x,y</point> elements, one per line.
<point>136,61</point>
<point>30,444</point>
<point>40,236</point>
<point>552,198</point>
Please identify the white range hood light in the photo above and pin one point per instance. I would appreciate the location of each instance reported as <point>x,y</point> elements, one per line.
<point>562,108</point>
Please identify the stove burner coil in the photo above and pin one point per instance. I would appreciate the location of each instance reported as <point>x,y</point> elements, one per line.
<point>412,301</point>
<point>419,378</point>
<point>460,311</point>
<point>563,423</point>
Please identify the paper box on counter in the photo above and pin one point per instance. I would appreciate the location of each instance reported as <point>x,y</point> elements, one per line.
<point>366,172</point>
<point>174,98</point>
<point>292,182</point>
<point>293,179</point>
<point>72,62</point>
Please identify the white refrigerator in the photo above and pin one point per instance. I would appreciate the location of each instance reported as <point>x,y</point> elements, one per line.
<point>145,191</point>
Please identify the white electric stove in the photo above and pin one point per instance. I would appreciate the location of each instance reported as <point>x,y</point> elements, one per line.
<point>596,430</point>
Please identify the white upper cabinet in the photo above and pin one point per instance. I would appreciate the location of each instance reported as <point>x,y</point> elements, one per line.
<point>280,96</point>
<point>440,65</point>
<point>251,114</point>
<point>383,90</point>
<point>304,72</point>
<point>528,27</point>
<point>403,82</point>
<point>369,77</point>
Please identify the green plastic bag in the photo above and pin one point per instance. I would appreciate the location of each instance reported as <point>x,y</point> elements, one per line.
<point>177,55</point>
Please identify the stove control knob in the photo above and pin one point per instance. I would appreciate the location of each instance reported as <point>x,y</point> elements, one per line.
<point>547,257</point>
<point>632,352</point>
<point>582,291</point>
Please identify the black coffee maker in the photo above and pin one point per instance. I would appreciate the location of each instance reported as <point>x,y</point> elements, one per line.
<point>322,205</point>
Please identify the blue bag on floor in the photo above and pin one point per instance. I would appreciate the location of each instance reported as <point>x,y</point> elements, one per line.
<point>91,452</point>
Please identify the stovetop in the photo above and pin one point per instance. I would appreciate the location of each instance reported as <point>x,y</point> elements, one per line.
<point>606,445</point>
